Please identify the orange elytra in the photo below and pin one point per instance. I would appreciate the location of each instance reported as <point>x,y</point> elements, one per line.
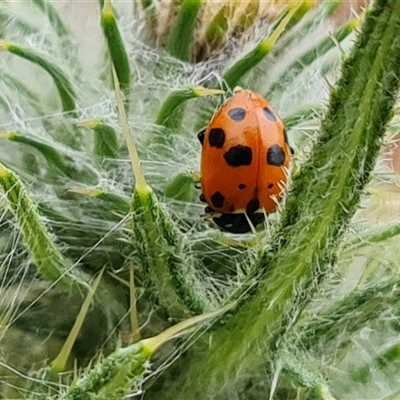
<point>244,162</point>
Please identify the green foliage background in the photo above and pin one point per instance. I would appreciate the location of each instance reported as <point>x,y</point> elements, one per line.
<point>306,307</point>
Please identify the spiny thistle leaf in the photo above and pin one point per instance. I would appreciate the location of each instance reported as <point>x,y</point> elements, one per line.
<point>48,259</point>
<point>114,377</point>
<point>302,368</point>
<point>179,287</point>
<point>353,311</point>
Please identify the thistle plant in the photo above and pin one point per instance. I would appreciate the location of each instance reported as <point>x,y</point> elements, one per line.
<point>112,283</point>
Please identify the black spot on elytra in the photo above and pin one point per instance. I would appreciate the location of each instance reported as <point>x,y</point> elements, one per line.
<point>241,186</point>
<point>275,156</point>
<point>201,135</point>
<point>239,155</point>
<point>237,114</point>
<point>270,185</point>
<point>202,198</point>
<point>252,206</point>
<point>217,199</point>
<point>216,138</point>
<point>269,114</point>
<point>238,223</point>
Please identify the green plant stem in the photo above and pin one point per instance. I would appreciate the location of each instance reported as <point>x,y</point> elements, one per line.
<point>64,87</point>
<point>254,57</point>
<point>165,116</point>
<point>321,202</point>
<point>181,36</point>
<point>168,115</point>
<point>234,74</point>
<point>354,311</point>
<point>160,246</point>
<point>117,203</point>
<point>166,260</point>
<point>116,47</point>
<point>53,156</point>
<point>105,138</point>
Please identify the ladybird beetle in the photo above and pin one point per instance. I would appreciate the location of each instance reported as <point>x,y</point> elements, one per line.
<point>244,162</point>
